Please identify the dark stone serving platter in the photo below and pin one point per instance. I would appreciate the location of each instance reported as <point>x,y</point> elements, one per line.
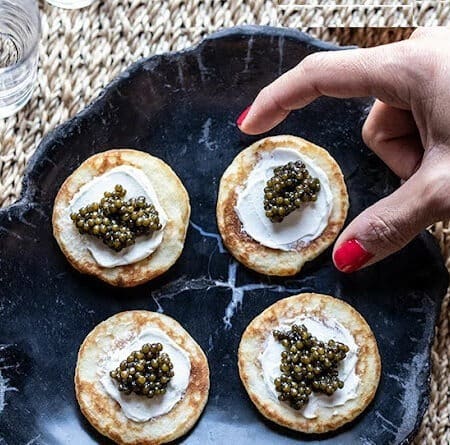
<point>182,108</point>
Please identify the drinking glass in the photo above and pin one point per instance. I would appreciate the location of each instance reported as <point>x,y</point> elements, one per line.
<point>19,52</point>
<point>71,4</point>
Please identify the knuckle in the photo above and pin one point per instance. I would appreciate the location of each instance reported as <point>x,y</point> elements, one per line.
<point>312,61</point>
<point>311,64</point>
<point>387,230</point>
<point>421,61</point>
<point>411,65</point>
<point>436,194</point>
<point>264,94</point>
<point>269,97</point>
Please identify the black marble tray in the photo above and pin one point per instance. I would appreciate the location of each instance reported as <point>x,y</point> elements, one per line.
<point>182,108</point>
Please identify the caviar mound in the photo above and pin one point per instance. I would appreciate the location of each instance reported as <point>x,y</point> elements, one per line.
<point>105,414</point>
<point>171,194</point>
<point>288,189</point>
<point>307,365</point>
<point>115,221</point>
<point>146,372</point>
<point>251,253</point>
<point>253,341</point>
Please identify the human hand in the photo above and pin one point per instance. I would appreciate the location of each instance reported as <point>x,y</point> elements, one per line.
<point>408,128</point>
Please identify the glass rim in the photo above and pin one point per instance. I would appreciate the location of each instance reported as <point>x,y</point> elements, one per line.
<point>30,51</point>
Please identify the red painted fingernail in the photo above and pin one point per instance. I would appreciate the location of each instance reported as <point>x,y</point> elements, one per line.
<point>242,116</point>
<point>350,256</point>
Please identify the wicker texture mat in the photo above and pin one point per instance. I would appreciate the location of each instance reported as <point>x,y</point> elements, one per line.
<point>81,51</point>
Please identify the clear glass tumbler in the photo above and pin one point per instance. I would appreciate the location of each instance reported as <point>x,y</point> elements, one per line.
<point>19,51</point>
<point>71,4</point>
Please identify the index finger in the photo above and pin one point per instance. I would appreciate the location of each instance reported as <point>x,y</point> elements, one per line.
<point>378,72</point>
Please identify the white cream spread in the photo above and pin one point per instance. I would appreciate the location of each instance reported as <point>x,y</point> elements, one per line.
<point>137,407</point>
<point>324,330</point>
<point>136,183</point>
<point>300,227</point>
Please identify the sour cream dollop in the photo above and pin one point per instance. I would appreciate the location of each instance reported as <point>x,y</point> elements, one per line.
<point>137,407</point>
<point>324,330</point>
<point>300,227</point>
<point>136,183</point>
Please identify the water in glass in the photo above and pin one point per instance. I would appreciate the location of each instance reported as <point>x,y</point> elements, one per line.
<point>19,47</point>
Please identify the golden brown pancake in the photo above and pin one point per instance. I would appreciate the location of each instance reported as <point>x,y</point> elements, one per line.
<point>171,194</point>
<point>251,253</point>
<point>368,365</point>
<point>105,414</point>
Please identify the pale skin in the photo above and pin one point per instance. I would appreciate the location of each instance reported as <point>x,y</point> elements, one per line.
<point>408,127</point>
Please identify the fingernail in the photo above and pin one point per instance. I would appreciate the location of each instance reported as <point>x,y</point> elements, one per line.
<point>242,116</point>
<point>351,256</point>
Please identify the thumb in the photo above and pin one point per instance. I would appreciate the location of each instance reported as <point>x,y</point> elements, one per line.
<point>383,228</point>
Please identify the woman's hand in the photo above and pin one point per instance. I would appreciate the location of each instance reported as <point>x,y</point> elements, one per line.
<point>408,128</point>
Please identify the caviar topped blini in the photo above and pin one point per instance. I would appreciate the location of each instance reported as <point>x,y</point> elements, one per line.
<point>141,378</point>
<point>281,202</point>
<point>310,363</point>
<point>122,216</point>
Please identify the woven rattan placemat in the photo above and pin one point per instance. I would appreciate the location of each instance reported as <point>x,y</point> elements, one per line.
<point>81,51</point>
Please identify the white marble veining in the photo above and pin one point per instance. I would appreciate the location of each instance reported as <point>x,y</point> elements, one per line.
<point>206,234</point>
<point>205,139</point>
<point>366,441</point>
<point>248,56</point>
<point>4,382</point>
<point>184,284</point>
<point>387,424</point>
<point>178,286</point>
<point>201,67</point>
<point>3,387</point>
<point>238,292</point>
<point>280,55</point>
<point>180,73</point>
<point>10,232</point>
